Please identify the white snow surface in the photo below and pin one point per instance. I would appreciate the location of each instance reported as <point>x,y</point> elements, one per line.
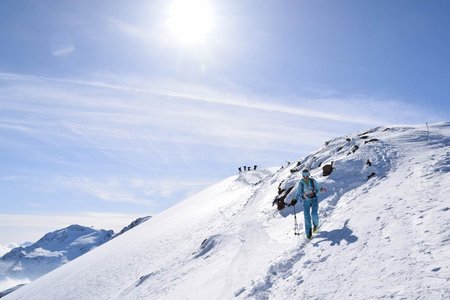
<point>383,237</point>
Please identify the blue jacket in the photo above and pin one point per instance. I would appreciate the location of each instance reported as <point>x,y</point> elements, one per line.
<point>303,189</point>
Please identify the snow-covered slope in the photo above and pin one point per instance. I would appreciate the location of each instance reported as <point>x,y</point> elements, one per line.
<point>383,236</point>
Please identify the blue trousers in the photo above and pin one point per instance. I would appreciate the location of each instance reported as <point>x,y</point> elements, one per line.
<point>310,208</point>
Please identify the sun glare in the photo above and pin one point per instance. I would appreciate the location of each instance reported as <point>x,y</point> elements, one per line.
<point>190,21</point>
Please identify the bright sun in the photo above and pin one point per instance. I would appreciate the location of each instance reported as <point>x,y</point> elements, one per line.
<point>190,21</point>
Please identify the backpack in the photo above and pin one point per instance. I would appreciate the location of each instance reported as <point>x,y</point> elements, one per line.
<point>314,191</point>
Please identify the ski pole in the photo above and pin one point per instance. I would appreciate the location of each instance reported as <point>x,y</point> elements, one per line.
<point>296,229</point>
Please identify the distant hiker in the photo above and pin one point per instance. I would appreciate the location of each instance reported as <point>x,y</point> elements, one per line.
<point>240,170</point>
<point>254,167</point>
<point>307,189</point>
<point>245,168</point>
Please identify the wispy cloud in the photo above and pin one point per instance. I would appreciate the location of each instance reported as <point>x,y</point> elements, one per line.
<point>110,190</point>
<point>147,191</point>
<point>150,34</point>
<point>159,106</point>
<point>147,114</point>
<point>63,51</point>
<point>132,30</point>
<point>61,45</point>
<point>166,118</point>
<point>142,191</point>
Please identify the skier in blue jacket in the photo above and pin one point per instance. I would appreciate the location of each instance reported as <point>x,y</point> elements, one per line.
<point>308,189</point>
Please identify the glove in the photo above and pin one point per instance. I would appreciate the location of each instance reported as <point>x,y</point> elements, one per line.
<point>293,202</point>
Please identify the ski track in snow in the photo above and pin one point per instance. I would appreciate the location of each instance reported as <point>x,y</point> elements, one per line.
<point>295,267</point>
<point>282,268</point>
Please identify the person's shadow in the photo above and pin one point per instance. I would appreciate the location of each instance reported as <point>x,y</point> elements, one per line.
<point>337,236</point>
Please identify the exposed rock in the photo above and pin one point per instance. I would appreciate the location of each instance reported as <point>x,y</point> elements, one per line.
<point>279,200</point>
<point>364,133</point>
<point>327,169</point>
<point>10,290</point>
<point>354,148</point>
<point>371,140</point>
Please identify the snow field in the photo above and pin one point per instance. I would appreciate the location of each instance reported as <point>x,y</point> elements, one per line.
<point>383,237</point>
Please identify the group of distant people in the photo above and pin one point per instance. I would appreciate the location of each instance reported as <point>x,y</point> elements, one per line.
<point>245,168</point>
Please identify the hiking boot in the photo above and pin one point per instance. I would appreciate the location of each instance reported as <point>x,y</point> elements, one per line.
<point>315,229</point>
<point>309,234</point>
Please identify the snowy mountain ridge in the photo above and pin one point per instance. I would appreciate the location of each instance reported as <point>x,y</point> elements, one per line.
<point>133,224</point>
<point>384,232</point>
<point>52,251</point>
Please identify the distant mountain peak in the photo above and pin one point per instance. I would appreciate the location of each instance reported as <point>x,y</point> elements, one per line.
<point>55,249</point>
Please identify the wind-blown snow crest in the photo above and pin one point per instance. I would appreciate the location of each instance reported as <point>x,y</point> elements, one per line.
<point>384,233</point>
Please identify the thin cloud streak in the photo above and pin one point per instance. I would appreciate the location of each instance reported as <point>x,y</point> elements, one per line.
<point>72,115</point>
<point>80,114</point>
<point>140,33</point>
<point>130,190</point>
<point>111,190</point>
<point>64,51</point>
<point>201,94</point>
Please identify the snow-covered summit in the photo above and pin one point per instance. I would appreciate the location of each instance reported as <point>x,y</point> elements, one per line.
<point>52,250</point>
<point>384,232</point>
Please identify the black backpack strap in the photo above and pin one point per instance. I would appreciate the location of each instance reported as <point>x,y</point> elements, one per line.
<point>313,185</point>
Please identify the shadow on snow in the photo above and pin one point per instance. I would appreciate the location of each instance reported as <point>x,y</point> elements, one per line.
<point>337,236</point>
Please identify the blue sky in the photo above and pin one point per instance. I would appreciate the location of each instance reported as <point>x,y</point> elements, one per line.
<point>108,111</point>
